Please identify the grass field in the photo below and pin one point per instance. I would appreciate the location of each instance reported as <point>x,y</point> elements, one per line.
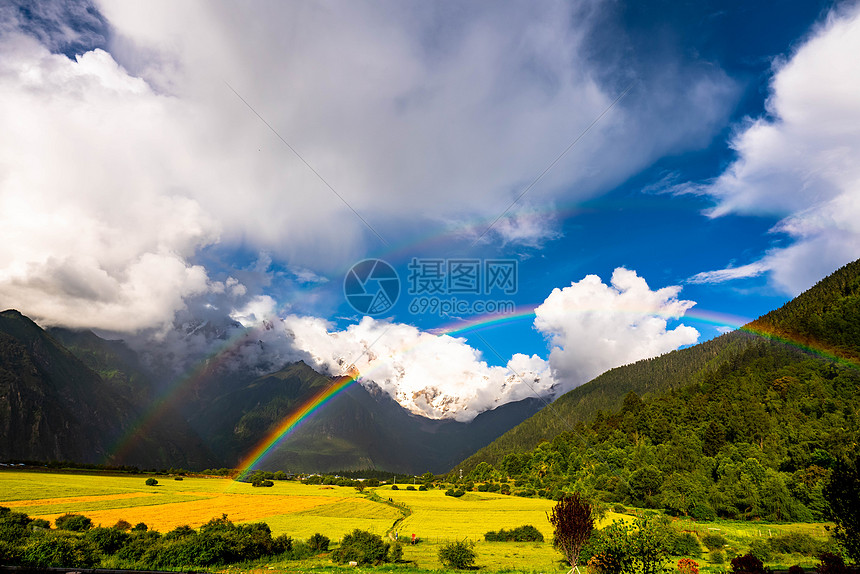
<point>302,510</point>
<point>288,507</point>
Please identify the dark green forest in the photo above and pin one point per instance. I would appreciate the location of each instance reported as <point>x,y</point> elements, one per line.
<point>744,426</point>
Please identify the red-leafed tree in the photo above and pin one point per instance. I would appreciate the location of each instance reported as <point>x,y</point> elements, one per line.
<point>573,523</point>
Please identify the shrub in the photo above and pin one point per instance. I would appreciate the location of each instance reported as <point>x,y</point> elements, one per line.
<point>458,555</point>
<point>410,487</point>
<point>140,527</point>
<point>138,543</point>
<point>795,543</point>
<point>454,493</point>
<point>761,550</point>
<point>713,541</point>
<point>395,487</point>
<point>60,551</point>
<point>748,564</point>
<point>318,543</point>
<point>151,482</point>
<point>13,526</point>
<point>177,478</point>
<point>362,547</point>
<point>397,552</point>
<point>40,523</point>
<point>122,525</point>
<point>688,566</point>
<point>831,564</point>
<point>703,512</point>
<point>619,509</point>
<point>527,533</point>
<point>717,557</point>
<point>282,544</point>
<point>262,483</point>
<point>684,544</point>
<point>10,553</point>
<point>107,540</point>
<point>73,522</point>
<point>422,488</point>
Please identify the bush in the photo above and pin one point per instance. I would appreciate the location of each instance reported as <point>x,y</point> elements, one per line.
<point>410,487</point>
<point>262,483</point>
<point>318,543</point>
<point>458,555</point>
<point>454,493</point>
<point>13,526</point>
<point>138,543</point>
<point>717,557</point>
<point>684,544</point>
<point>122,525</point>
<point>107,540</point>
<point>527,533</point>
<point>422,488</point>
<point>73,522</point>
<point>140,527</point>
<point>397,552</point>
<point>60,551</point>
<point>151,482</point>
<point>748,564</point>
<point>362,547</point>
<point>282,544</point>
<point>795,543</point>
<point>831,564</point>
<point>40,523</point>
<point>761,550</point>
<point>703,512</point>
<point>713,541</point>
<point>395,487</point>
<point>10,553</point>
<point>687,566</point>
<point>178,478</point>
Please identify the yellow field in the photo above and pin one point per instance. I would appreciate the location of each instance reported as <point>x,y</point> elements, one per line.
<point>288,507</point>
<point>438,519</point>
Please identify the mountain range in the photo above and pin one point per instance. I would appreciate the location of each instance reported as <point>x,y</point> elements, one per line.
<point>71,395</point>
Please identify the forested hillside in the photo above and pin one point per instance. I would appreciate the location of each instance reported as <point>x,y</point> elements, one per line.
<point>751,434</point>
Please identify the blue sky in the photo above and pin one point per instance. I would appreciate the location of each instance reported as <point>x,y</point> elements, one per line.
<point>167,166</point>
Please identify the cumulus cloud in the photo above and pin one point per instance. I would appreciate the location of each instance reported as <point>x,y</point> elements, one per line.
<point>593,327</point>
<point>436,376</point>
<point>800,162</point>
<point>88,237</point>
<point>137,153</point>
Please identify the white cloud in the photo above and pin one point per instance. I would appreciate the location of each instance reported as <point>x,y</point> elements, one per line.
<point>800,163</point>
<point>730,273</point>
<point>436,376</point>
<point>418,116</point>
<point>593,327</point>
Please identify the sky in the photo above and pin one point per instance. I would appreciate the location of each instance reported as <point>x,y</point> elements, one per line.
<point>468,202</point>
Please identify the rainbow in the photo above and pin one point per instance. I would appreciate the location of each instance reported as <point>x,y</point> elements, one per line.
<point>293,421</point>
<point>173,392</point>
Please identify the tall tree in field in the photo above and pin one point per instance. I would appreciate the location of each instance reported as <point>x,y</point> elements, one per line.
<point>573,524</point>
